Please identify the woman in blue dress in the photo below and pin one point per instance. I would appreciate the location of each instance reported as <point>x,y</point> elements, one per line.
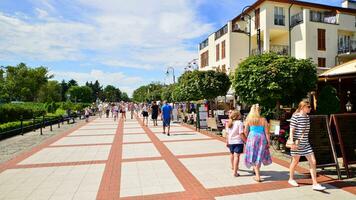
<point>258,141</point>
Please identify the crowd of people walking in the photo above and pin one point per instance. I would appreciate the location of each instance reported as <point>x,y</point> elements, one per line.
<point>249,137</point>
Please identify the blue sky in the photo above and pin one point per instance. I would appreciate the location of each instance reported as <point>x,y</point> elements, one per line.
<point>118,42</point>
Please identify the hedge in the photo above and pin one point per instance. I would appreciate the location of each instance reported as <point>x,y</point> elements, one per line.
<point>13,125</point>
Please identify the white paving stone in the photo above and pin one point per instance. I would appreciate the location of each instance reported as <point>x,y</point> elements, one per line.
<point>136,138</point>
<point>64,182</point>
<point>196,147</point>
<point>94,132</point>
<point>147,177</point>
<point>303,192</point>
<point>69,154</point>
<point>85,140</point>
<point>133,130</point>
<point>159,129</point>
<point>215,171</point>
<point>181,136</point>
<point>139,151</point>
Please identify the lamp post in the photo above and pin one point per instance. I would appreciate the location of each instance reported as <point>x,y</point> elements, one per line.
<point>249,28</point>
<point>167,72</point>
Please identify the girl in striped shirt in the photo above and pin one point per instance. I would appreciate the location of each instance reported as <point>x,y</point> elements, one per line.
<point>299,130</point>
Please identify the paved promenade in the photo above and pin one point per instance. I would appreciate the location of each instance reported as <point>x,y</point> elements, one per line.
<point>104,159</point>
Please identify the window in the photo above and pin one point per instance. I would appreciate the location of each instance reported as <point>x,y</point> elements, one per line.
<point>324,17</point>
<point>217,52</point>
<point>223,49</point>
<point>278,16</point>
<point>321,62</point>
<point>257,18</point>
<point>221,32</point>
<point>321,40</point>
<point>204,59</point>
<point>203,44</point>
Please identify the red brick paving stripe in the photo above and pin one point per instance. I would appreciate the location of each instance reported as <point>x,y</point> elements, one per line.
<point>141,159</point>
<point>91,135</point>
<point>187,140</point>
<point>78,145</point>
<point>11,163</point>
<point>193,188</point>
<point>61,164</point>
<point>171,196</point>
<point>110,183</point>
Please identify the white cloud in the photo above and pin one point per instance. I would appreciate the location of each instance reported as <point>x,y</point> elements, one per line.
<point>120,33</point>
<point>117,79</point>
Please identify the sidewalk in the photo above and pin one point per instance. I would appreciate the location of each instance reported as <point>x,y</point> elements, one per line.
<point>104,159</point>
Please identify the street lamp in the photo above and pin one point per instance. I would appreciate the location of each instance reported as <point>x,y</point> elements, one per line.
<point>167,72</point>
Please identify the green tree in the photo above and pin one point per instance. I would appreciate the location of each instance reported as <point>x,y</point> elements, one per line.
<point>96,88</point>
<point>125,97</point>
<point>50,92</point>
<point>328,101</point>
<point>271,79</point>
<point>150,92</point>
<point>197,85</point>
<point>24,83</point>
<point>80,94</point>
<point>112,94</point>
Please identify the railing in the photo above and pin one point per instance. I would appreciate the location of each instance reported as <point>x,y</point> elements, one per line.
<point>347,49</point>
<point>256,52</point>
<point>297,19</point>
<point>279,49</point>
<point>324,17</point>
<point>39,122</point>
<point>203,44</point>
<point>221,32</point>
<point>279,20</point>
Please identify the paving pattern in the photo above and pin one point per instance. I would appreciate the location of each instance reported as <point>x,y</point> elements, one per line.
<point>107,159</point>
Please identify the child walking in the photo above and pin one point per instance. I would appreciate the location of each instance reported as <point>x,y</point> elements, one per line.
<point>235,140</point>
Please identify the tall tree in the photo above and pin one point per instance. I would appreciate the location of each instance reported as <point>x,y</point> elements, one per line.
<point>50,92</point>
<point>24,83</point>
<point>80,94</point>
<point>271,80</point>
<point>125,97</point>
<point>112,94</point>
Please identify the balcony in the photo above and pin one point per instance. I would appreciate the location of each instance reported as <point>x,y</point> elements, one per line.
<point>323,17</point>
<point>278,49</point>
<point>296,19</point>
<point>203,44</point>
<point>348,48</point>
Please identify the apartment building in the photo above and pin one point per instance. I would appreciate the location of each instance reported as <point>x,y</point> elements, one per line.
<point>324,33</point>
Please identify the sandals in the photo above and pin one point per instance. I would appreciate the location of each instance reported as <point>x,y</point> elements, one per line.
<point>257,180</point>
<point>237,174</point>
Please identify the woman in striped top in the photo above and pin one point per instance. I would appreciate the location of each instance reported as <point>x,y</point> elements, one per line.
<point>299,130</point>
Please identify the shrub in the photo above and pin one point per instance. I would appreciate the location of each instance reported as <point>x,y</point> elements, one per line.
<point>12,112</point>
<point>13,125</point>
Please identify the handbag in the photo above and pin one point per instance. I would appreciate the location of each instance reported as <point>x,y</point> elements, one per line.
<point>294,144</point>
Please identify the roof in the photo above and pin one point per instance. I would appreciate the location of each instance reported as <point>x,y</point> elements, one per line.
<point>340,70</point>
<point>302,3</point>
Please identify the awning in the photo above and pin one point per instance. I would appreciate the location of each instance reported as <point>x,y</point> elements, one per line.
<point>344,69</point>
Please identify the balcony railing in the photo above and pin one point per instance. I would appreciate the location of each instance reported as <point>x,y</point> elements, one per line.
<point>203,44</point>
<point>279,20</point>
<point>278,49</point>
<point>347,49</point>
<point>296,19</point>
<point>324,17</point>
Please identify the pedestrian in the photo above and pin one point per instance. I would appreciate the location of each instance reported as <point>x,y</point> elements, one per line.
<point>299,130</point>
<point>258,141</point>
<point>235,140</point>
<point>100,110</point>
<point>123,110</point>
<point>131,109</point>
<point>107,110</point>
<point>145,114</point>
<point>116,112</point>
<point>154,113</point>
<point>86,113</point>
<point>166,113</point>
